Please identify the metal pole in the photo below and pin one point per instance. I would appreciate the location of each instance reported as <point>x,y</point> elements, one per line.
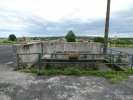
<point>39,61</point>
<point>112,61</point>
<point>93,60</point>
<point>110,54</point>
<point>52,57</point>
<point>18,60</point>
<point>132,63</point>
<point>100,51</point>
<point>42,48</point>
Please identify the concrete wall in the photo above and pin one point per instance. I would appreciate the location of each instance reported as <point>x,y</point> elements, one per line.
<point>25,49</point>
<point>49,47</point>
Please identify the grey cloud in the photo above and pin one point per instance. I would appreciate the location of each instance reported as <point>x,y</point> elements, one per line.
<point>120,23</point>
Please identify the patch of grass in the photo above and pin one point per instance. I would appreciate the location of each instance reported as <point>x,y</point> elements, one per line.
<point>113,76</point>
<point>9,42</point>
<point>106,57</point>
<point>74,71</point>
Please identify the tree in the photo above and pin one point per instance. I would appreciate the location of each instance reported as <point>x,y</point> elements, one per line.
<point>99,39</point>
<point>12,37</point>
<point>106,27</point>
<point>70,37</point>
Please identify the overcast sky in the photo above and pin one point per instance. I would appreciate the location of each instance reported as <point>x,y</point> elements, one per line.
<point>57,17</point>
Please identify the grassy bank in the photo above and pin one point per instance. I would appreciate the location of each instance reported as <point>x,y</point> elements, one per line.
<point>113,76</point>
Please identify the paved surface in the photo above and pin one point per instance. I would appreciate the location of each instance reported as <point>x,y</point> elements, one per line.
<point>6,53</point>
<point>22,86</point>
<point>126,50</point>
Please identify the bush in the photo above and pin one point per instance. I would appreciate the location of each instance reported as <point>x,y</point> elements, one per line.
<point>99,39</point>
<point>12,37</point>
<point>70,37</point>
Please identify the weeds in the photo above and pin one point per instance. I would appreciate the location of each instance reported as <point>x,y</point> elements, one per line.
<point>113,76</point>
<point>106,57</point>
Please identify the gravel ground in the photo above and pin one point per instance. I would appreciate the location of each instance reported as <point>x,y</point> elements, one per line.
<point>16,85</point>
<point>22,86</point>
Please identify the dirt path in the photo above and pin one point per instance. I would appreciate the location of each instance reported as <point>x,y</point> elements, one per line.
<point>21,86</point>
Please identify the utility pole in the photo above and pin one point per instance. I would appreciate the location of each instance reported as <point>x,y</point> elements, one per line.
<point>106,27</point>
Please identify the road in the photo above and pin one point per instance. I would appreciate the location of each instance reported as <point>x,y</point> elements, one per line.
<point>126,50</point>
<point>15,85</point>
<point>6,54</point>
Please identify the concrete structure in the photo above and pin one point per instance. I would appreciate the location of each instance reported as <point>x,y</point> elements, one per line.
<point>49,47</point>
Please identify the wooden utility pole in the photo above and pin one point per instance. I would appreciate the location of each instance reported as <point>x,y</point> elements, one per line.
<point>106,27</point>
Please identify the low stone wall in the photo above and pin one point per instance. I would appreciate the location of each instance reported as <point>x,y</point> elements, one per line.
<point>49,47</point>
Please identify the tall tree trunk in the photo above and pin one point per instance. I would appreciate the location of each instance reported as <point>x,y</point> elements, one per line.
<point>106,27</point>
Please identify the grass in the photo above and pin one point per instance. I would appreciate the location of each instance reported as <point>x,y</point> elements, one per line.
<point>8,42</point>
<point>113,76</point>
